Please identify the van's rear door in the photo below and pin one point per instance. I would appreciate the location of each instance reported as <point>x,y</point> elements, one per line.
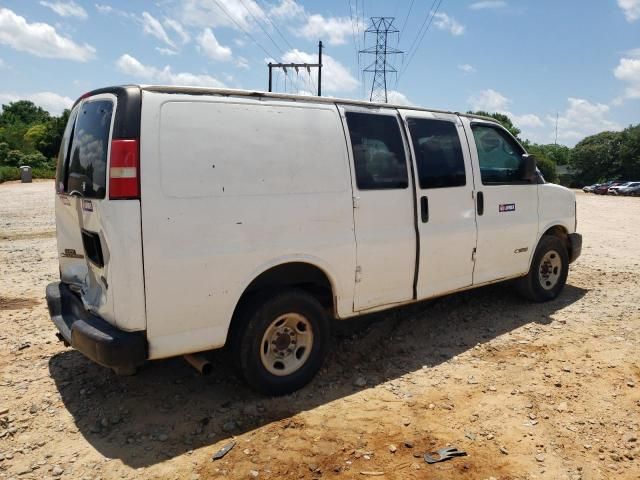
<point>98,207</point>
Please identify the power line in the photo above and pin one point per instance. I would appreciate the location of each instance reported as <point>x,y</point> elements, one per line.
<point>224,10</point>
<point>261,27</point>
<point>404,24</point>
<point>293,50</point>
<point>406,66</point>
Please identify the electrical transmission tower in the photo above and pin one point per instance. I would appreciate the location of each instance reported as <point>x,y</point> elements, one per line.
<point>381,27</point>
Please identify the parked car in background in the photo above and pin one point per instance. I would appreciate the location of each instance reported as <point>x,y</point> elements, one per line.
<point>624,189</point>
<point>632,191</point>
<point>602,188</point>
<point>589,188</point>
<point>613,189</point>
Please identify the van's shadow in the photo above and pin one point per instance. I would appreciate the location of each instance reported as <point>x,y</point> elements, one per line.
<point>168,409</point>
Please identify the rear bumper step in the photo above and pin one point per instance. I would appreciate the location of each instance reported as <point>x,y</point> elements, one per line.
<point>91,335</point>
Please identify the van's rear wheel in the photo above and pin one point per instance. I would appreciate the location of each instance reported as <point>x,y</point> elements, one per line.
<point>283,343</point>
<point>548,273</point>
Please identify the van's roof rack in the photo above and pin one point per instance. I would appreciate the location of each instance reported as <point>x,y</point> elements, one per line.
<point>231,92</point>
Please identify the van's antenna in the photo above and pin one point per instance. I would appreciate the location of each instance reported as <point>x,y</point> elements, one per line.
<point>295,66</point>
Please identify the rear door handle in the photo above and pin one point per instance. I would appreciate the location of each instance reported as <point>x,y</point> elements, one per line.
<point>480,202</point>
<point>424,209</point>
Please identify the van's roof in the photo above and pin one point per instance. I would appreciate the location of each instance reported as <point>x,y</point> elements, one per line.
<point>298,98</point>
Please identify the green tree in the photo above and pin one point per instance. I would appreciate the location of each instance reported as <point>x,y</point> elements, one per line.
<point>49,144</point>
<point>23,112</point>
<point>597,158</point>
<point>504,120</point>
<point>14,158</point>
<point>630,153</point>
<point>4,149</point>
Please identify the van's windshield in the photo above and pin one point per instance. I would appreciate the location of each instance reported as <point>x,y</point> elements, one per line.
<point>83,156</point>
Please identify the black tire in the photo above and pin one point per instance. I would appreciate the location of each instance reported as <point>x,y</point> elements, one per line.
<point>531,286</point>
<point>248,342</point>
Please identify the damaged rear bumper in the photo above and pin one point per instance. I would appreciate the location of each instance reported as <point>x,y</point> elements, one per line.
<point>91,335</point>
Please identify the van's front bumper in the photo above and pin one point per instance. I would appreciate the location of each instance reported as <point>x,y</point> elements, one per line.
<point>575,246</point>
<point>91,335</point>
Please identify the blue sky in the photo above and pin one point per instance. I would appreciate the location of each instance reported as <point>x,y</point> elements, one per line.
<point>529,59</point>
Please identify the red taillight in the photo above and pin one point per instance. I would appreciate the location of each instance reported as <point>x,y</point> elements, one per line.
<point>124,170</point>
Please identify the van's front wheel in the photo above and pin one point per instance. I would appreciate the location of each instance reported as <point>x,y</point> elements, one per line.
<point>283,343</point>
<point>548,273</point>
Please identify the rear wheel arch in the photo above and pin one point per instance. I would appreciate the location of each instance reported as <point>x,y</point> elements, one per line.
<point>300,275</point>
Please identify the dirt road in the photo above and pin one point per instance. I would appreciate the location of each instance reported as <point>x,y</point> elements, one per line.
<point>547,391</point>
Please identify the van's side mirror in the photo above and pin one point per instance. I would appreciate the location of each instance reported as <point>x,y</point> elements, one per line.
<point>528,167</point>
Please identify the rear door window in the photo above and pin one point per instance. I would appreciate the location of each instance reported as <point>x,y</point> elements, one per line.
<point>378,151</point>
<point>86,173</point>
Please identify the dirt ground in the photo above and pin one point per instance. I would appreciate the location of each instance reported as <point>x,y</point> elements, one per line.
<point>527,390</point>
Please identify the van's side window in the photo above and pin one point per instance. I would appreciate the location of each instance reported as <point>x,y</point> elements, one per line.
<point>378,151</point>
<point>499,156</point>
<point>438,153</point>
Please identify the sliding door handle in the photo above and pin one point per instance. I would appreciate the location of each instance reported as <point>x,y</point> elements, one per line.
<point>480,202</point>
<point>424,209</point>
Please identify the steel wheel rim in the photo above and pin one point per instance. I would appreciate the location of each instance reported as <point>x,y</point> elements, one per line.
<point>286,344</point>
<point>550,269</point>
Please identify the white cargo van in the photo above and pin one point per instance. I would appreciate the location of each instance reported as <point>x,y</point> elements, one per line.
<point>189,219</point>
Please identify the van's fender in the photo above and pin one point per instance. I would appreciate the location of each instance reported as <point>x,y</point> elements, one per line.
<point>341,297</point>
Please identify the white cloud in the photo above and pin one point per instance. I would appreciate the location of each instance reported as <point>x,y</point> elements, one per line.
<point>108,10</point>
<point>397,98</point>
<point>633,53</point>
<point>628,70</point>
<point>466,68</point>
<point>52,102</point>
<point>489,101</point>
<point>488,4</point>
<point>286,10</point>
<point>335,76</point>
<point>66,9</point>
<point>337,30</point>
<point>131,66</point>
<point>447,23</point>
<point>179,29</point>
<point>166,51</point>
<point>631,9</point>
<point>39,39</point>
<point>2,64</point>
<point>582,118</point>
<point>153,27</point>
<point>208,44</point>
<point>216,13</point>
<point>492,101</point>
<point>528,120</point>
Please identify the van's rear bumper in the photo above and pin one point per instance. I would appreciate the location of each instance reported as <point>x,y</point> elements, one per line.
<point>91,335</point>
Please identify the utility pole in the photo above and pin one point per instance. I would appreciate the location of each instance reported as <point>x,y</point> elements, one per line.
<point>556,128</point>
<point>296,66</point>
<point>381,27</point>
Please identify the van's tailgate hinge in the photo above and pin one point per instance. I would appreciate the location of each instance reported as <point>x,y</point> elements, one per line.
<point>473,254</point>
<point>358,273</point>
<point>356,202</point>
